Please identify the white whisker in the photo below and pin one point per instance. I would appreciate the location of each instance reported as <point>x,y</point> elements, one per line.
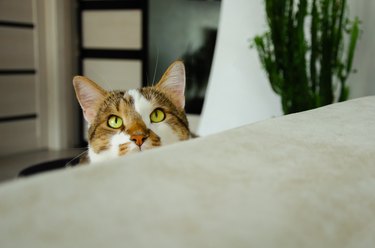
<point>69,164</point>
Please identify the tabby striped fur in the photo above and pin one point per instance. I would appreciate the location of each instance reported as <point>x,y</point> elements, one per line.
<point>134,107</point>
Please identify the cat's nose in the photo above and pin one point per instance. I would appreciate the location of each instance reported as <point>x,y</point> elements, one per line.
<point>138,139</point>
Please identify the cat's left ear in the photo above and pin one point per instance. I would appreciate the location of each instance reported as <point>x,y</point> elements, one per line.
<point>89,96</point>
<point>173,83</point>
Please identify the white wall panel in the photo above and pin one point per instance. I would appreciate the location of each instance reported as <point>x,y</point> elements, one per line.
<point>18,136</point>
<point>238,91</point>
<point>362,82</point>
<point>114,74</point>
<point>116,29</point>
<point>16,10</point>
<point>17,95</point>
<point>17,91</point>
<point>16,48</point>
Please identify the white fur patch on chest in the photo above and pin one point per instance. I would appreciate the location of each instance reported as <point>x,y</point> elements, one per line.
<point>113,151</point>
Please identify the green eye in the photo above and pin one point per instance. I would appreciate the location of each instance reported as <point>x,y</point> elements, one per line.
<point>114,121</point>
<point>157,115</point>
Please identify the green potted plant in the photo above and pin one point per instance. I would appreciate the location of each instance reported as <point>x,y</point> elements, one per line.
<point>308,51</point>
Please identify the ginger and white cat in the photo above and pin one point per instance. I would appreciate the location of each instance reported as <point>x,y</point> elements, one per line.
<point>130,121</point>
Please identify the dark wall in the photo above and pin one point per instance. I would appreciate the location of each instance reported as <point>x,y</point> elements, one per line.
<point>183,29</point>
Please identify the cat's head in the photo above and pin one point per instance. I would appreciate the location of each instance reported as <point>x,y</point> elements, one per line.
<point>125,122</point>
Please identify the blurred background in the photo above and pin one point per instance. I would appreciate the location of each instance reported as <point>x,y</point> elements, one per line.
<point>119,44</point>
<point>124,44</point>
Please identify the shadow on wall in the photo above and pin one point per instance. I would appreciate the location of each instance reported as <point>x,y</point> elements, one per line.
<point>186,30</point>
<point>198,65</point>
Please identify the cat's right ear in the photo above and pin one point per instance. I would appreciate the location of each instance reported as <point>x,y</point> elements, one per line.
<point>89,96</point>
<point>173,83</point>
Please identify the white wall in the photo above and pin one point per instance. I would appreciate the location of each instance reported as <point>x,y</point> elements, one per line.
<point>239,92</point>
<point>175,27</point>
<point>362,83</point>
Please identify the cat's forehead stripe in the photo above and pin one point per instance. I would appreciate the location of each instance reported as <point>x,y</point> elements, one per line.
<point>135,97</point>
<point>133,94</point>
<point>128,98</point>
<point>141,104</point>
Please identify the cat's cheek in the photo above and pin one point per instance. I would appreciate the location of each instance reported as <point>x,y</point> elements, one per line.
<point>149,145</point>
<point>119,139</point>
<point>121,145</point>
<point>165,132</point>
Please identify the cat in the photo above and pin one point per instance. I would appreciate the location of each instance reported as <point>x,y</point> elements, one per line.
<point>131,121</point>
